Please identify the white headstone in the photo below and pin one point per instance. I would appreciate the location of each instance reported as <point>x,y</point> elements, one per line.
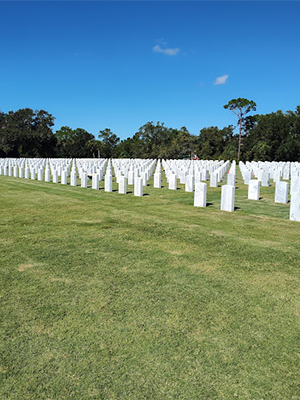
<point>200,194</point>
<point>189,183</point>
<point>83,179</point>
<point>40,174</point>
<point>95,182</point>
<point>281,192</point>
<point>182,176</point>
<point>286,173</point>
<point>173,181</point>
<point>63,178</point>
<point>253,189</point>
<point>131,177</point>
<point>122,184</point>
<point>26,173</point>
<point>265,179</point>
<point>55,176</point>
<point>295,183</point>
<point>144,177</point>
<point>108,183</point>
<point>231,179</point>
<point>213,179</point>
<point>295,206</point>
<point>157,180</point>
<point>247,177</point>
<point>277,175</point>
<point>47,175</point>
<point>138,186</point>
<point>227,198</point>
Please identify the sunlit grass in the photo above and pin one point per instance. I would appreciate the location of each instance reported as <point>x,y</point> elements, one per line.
<point>111,296</point>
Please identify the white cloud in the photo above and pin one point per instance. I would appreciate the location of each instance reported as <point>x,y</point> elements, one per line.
<point>221,80</point>
<point>168,52</point>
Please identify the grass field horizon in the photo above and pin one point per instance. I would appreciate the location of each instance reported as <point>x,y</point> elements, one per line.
<point>110,296</point>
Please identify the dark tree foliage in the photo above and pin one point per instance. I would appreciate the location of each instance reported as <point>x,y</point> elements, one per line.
<point>109,142</point>
<point>95,148</point>
<point>74,143</point>
<point>158,141</point>
<point>270,137</point>
<point>27,133</point>
<point>2,136</point>
<point>126,148</point>
<point>274,137</point>
<point>153,141</point>
<point>183,144</point>
<point>215,143</point>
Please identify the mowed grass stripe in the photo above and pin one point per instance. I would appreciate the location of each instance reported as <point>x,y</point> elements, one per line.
<point>110,296</point>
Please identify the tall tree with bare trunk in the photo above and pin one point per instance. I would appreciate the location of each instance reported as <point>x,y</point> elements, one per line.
<point>240,107</point>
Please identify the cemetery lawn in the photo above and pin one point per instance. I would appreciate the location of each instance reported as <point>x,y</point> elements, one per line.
<point>109,296</point>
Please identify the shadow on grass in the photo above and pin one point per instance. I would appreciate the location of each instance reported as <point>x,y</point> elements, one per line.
<point>237,208</point>
<point>146,194</point>
<point>209,204</point>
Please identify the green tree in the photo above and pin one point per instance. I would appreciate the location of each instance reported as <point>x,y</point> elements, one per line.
<point>95,147</point>
<point>3,122</point>
<point>109,142</point>
<point>126,148</point>
<point>274,137</point>
<point>74,143</point>
<point>27,133</point>
<point>183,144</point>
<point>154,141</point>
<point>212,142</point>
<point>240,107</point>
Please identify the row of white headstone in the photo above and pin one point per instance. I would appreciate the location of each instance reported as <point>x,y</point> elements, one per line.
<point>264,171</point>
<point>127,171</point>
<point>227,191</point>
<point>137,172</point>
<point>277,171</point>
<point>192,173</point>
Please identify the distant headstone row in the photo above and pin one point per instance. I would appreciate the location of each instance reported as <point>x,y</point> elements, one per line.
<point>257,174</point>
<point>194,174</point>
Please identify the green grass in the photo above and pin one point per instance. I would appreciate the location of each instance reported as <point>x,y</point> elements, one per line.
<point>109,296</point>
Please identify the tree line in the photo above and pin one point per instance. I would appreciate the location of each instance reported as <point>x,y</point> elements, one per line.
<point>269,137</point>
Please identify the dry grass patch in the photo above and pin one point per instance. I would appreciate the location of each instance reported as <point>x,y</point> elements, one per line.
<point>206,268</point>
<point>277,280</point>
<point>25,267</point>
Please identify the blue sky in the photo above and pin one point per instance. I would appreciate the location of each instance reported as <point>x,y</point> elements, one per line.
<point>118,65</point>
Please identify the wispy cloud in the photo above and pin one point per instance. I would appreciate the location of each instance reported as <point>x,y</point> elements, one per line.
<point>221,80</point>
<point>168,52</point>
